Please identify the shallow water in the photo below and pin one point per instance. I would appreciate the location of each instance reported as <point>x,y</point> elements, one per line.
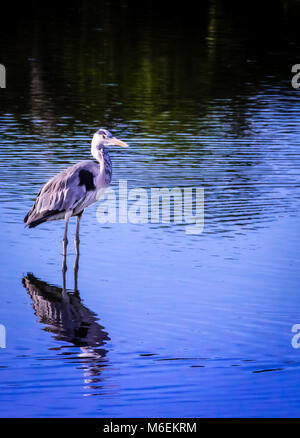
<point>166,324</point>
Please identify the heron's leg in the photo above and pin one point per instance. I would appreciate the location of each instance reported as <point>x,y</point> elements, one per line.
<point>64,264</point>
<point>76,267</point>
<point>64,293</point>
<point>65,239</point>
<point>64,270</point>
<point>76,240</point>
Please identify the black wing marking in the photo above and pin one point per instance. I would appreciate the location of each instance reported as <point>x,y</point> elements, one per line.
<point>86,178</point>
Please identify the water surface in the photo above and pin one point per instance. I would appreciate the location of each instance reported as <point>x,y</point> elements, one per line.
<point>159,323</point>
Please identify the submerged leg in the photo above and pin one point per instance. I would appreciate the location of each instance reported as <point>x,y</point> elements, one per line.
<point>76,240</point>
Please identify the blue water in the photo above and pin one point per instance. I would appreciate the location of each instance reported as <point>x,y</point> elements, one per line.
<point>166,324</point>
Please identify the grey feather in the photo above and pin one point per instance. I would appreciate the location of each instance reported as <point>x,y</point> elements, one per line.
<point>64,192</point>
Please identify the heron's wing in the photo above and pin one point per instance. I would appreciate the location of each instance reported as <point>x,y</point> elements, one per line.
<point>63,192</point>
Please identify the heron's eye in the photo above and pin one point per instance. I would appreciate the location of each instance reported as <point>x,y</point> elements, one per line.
<point>103,133</point>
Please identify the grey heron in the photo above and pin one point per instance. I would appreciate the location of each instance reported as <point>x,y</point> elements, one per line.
<point>69,192</point>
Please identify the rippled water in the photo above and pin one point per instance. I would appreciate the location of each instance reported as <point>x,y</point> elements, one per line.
<point>165,323</point>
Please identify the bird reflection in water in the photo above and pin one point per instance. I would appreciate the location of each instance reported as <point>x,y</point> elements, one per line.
<point>70,321</point>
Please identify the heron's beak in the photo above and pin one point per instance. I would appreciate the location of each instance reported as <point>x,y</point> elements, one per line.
<point>118,142</point>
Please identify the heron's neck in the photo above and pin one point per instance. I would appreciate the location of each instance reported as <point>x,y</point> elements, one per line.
<point>100,157</point>
<point>104,160</point>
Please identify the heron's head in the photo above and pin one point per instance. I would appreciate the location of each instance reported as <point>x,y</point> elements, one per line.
<point>102,139</point>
